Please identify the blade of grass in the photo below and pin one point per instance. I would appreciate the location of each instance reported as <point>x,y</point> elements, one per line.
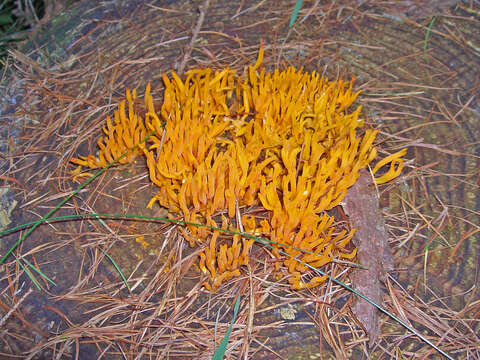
<point>30,275</point>
<point>124,279</point>
<point>261,240</point>
<point>427,35</point>
<point>140,217</point>
<point>39,272</point>
<point>296,9</point>
<point>222,347</point>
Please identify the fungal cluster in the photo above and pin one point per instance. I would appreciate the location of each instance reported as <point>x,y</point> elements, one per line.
<point>224,144</point>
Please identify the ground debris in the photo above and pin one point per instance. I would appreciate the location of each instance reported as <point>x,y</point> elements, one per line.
<point>371,239</point>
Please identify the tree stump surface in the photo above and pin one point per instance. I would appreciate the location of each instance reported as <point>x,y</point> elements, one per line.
<point>423,92</point>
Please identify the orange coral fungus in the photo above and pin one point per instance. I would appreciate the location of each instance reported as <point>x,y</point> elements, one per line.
<point>285,141</point>
<point>124,134</point>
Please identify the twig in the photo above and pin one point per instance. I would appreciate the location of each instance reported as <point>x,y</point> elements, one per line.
<point>188,51</point>
<point>14,308</point>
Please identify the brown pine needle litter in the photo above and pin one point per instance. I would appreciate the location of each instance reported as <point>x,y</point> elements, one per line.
<point>286,141</point>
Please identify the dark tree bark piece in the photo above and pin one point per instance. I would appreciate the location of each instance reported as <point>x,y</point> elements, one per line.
<point>374,253</point>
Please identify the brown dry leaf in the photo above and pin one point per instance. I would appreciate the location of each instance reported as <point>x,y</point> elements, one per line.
<point>371,239</point>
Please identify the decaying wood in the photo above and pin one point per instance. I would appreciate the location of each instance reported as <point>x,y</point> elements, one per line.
<point>374,253</point>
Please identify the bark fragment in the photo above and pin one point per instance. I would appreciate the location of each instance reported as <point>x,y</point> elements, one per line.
<point>374,253</point>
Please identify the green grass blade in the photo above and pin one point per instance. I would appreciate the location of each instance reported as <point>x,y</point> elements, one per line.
<point>144,218</point>
<point>39,271</point>
<point>427,35</point>
<point>222,347</point>
<point>296,9</point>
<point>29,274</point>
<point>124,279</point>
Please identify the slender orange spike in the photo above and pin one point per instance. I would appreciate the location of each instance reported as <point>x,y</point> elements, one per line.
<point>178,83</point>
<point>396,167</point>
<point>389,159</point>
<point>222,258</point>
<point>260,56</point>
<point>80,162</point>
<point>202,263</point>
